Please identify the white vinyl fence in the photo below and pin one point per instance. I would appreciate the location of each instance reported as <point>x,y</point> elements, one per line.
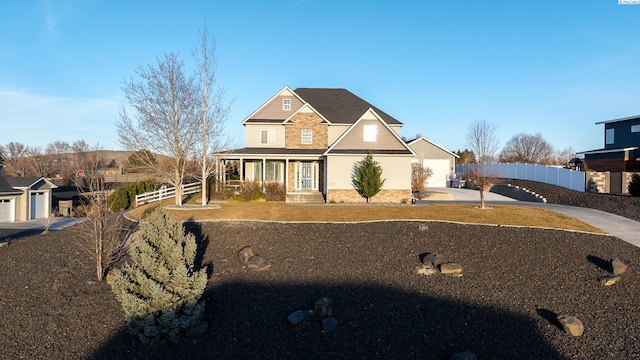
<point>166,193</point>
<point>570,179</point>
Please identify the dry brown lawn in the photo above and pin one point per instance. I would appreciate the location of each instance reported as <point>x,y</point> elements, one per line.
<point>464,213</point>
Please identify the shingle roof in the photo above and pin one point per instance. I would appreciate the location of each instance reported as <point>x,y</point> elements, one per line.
<point>22,181</point>
<point>340,105</point>
<point>6,189</point>
<point>273,151</point>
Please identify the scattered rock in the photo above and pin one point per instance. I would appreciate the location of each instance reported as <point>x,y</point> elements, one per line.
<point>617,266</point>
<point>571,325</point>
<point>329,323</point>
<point>465,355</point>
<point>426,270</point>
<point>258,262</point>
<point>245,254</point>
<point>608,280</point>
<point>433,260</point>
<point>451,269</point>
<point>300,318</point>
<point>423,227</point>
<point>197,330</point>
<point>323,307</point>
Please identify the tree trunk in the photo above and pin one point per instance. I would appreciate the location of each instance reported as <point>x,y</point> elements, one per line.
<point>481,198</point>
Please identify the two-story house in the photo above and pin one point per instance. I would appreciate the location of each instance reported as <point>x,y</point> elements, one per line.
<point>310,139</point>
<point>621,142</point>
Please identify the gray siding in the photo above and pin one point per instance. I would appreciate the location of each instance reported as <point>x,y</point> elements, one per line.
<point>273,110</point>
<point>354,140</point>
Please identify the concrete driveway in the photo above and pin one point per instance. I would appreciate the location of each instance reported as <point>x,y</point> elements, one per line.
<point>615,225</point>
<point>16,229</point>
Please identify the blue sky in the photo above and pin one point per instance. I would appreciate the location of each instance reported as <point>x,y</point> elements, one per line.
<point>554,67</point>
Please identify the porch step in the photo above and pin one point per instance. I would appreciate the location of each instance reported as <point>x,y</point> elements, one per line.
<point>314,197</point>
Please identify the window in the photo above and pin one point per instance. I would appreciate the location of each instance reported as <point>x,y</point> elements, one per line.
<point>608,136</point>
<point>286,104</point>
<point>267,137</point>
<point>370,132</point>
<point>307,137</point>
<point>635,128</point>
<point>273,171</point>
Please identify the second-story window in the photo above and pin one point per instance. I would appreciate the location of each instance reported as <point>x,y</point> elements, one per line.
<point>307,137</point>
<point>286,104</point>
<point>609,135</point>
<point>370,132</point>
<point>267,137</point>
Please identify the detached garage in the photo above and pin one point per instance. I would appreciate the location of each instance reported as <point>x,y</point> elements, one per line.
<point>35,198</point>
<point>441,161</point>
<point>8,200</point>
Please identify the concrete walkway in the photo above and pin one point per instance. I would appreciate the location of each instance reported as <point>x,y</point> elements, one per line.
<point>618,226</point>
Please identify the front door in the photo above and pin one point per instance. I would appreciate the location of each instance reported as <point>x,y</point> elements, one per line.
<point>306,176</point>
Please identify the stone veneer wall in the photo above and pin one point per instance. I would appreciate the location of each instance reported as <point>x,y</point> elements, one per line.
<point>597,182</point>
<point>388,196</point>
<point>311,121</point>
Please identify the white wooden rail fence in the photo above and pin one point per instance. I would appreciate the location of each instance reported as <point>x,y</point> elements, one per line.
<point>166,193</point>
<point>570,179</point>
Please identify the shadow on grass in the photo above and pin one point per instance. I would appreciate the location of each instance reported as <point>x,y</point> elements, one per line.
<point>249,321</point>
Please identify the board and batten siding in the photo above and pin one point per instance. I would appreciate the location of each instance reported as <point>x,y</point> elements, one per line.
<point>354,140</point>
<point>396,170</point>
<point>428,151</point>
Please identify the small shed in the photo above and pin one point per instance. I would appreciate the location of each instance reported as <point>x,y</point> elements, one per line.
<point>440,160</point>
<point>35,198</point>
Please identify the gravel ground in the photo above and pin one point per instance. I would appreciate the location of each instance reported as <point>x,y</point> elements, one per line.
<point>623,205</point>
<point>515,280</point>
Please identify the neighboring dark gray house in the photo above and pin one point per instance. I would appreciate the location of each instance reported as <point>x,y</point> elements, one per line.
<point>621,143</point>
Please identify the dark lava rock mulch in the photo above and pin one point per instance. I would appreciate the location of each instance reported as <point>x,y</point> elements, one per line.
<point>516,280</point>
<point>623,205</point>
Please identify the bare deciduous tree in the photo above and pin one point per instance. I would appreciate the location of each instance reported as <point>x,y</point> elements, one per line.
<point>526,148</point>
<point>214,111</point>
<point>40,163</point>
<point>419,177</point>
<point>58,153</point>
<point>15,156</point>
<point>104,234</point>
<point>483,141</point>
<point>166,119</point>
<point>562,157</point>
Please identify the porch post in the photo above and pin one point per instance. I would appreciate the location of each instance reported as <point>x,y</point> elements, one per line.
<point>286,175</point>
<point>264,171</point>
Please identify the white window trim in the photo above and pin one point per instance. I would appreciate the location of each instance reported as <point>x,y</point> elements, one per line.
<point>271,137</point>
<point>308,138</point>
<point>286,104</point>
<point>369,133</point>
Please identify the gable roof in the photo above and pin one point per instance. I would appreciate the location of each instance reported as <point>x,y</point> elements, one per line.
<point>422,138</point>
<point>407,150</point>
<point>286,90</point>
<point>6,189</point>
<point>340,106</point>
<point>25,182</point>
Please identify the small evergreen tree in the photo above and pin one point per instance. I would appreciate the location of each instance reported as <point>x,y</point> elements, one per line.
<point>367,177</point>
<point>160,290</point>
<point>634,185</point>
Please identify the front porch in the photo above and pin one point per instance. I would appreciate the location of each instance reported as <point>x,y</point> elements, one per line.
<point>303,179</point>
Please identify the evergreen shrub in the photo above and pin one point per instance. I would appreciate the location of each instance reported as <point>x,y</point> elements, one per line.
<point>160,289</point>
<point>634,185</point>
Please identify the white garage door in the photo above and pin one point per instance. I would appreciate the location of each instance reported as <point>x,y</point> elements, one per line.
<point>6,210</point>
<point>39,205</point>
<point>440,169</point>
